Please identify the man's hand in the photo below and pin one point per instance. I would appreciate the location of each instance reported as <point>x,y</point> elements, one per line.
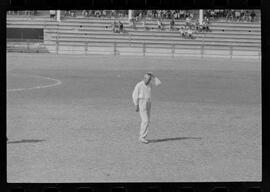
<point>137,108</point>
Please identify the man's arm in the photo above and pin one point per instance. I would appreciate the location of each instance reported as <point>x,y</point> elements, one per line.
<point>135,97</point>
<point>156,81</point>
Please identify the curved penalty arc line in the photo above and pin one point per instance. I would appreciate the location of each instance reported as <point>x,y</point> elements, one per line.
<point>57,82</point>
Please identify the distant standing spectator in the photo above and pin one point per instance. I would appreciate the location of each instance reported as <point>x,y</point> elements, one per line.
<point>205,24</point>
<point>132,23</point>
<point>114,25</point>
<point>121,26</point>
<point>172,23</point>
<point>52,13</point>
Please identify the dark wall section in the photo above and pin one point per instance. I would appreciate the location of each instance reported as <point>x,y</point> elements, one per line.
<point>25,33</point>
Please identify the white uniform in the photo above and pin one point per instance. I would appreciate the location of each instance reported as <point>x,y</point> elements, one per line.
<point>142,97</point>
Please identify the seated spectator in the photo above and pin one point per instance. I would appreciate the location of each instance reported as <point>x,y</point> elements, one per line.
<point>149,14</point>
<point>198,27</point>
<point>140,17</point>
<point>175,14</point>
<point>181,14</point>
<point>97,13</point>
<point>230,15</point>
<point>188,21</point>
<point>113,14</point>
<point>253,15</point>
<point>85,13</point>
<point>144,25</point>
<point>136,18</point>
<point>189,33</point>
<point>121,26</point>
<point>159,23</point>
<point>205,24</point>
<point>132,23</point>
<point>114,26</point>
<point>27,12</point>
<point>191,16</point>
<point>159,14</point>
<point>237,15</point>
<point>71,13</point>
<point>242,15</point>
<point>182,32</point>
<point>104,13</point>
<point>216,15</point>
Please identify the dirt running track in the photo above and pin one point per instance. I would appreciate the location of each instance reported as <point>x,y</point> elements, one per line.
<point>205,121</point>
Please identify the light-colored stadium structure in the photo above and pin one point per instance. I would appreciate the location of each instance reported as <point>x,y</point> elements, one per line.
<point>86,35</point>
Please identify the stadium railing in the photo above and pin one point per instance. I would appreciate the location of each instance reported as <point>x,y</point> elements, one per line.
<point>153,49</point>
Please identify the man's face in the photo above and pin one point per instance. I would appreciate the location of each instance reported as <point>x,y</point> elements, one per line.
<point>147,79</point>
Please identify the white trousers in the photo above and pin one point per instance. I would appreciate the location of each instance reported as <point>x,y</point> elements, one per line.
<point>145,108</point>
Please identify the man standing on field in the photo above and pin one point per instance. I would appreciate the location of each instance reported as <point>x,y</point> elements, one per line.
<point>142,101</point>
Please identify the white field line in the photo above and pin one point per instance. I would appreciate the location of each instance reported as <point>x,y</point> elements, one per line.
<point>57,82</point>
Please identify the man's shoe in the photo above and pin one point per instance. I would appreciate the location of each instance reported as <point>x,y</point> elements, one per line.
<point>143,140</point>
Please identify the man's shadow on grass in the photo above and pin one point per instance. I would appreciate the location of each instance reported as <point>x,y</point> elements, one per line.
<point>25,141</point>
<point>173,139</point>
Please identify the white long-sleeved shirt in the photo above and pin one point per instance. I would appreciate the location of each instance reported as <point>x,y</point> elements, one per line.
<point>142,91</point>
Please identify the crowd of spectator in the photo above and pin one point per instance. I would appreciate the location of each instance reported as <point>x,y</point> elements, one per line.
<point>186,29</point>
<point>234,15</point>
<point>212,14</point>
<point>25,12</point>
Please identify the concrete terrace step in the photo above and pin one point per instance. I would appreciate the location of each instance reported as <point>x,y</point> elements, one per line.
<point>153,24</point>
<point>110,20</point>
<point>151,35</point>
<point>52,29</point>
<point>143,32</point>
<point>125,22</point>
<point>126,26</point>
<point>102,28</point>
<point>167,21</point>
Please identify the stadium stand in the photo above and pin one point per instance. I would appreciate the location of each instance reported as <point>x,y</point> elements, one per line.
<point>93,35</point>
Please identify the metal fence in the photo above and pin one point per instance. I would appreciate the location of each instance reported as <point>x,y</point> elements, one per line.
<point>135,48</point>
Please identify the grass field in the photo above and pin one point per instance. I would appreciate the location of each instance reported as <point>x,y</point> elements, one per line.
<point>71,119</point>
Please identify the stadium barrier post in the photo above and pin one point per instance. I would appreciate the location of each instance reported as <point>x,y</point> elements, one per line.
<point>259,53</point>
<point>86,48</point>
<point>202,50</point>
<point>114,48</point>
<point>231,51</point>
<point>57,40</point>
<point>28,46</point>
<point>144,49</point>
<point>57,47</point>
<point>173,50</point>
<point>202,46</point>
